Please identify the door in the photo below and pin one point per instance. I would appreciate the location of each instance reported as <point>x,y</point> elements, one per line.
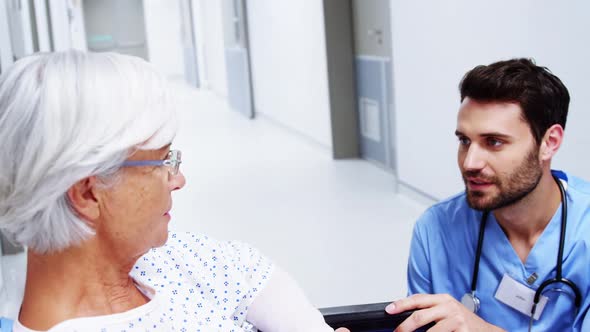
<point>24,29</point>
<point>19,22</point>
<point>67,25</point>
<point>6,54</point>
<point>198,27</point>
<point>42,25</point>
<point>237,58</point>
<point>373,63</point>
<point>188,38</point>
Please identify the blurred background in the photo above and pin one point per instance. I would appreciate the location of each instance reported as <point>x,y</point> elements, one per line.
<point>316,130</point>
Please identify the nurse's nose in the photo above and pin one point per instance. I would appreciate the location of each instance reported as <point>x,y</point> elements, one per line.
<point>475,158</point>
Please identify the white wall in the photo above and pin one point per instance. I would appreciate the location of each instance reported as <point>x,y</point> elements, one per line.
<point>288,65</point>
<point>210,22</point>
<point>436,42</point>
<point>162,25</point>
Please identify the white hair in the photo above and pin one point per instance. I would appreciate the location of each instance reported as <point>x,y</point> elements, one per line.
<point>64,117</point>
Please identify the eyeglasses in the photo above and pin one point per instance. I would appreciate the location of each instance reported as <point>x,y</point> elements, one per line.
<point>172,161</point>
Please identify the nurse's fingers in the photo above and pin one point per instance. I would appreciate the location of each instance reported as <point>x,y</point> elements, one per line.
<point>418,301</point>
<point>420,318</point>
<point>447,325</point>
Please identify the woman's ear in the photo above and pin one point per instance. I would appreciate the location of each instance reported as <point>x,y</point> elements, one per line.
<point>551,142</point>
<point>83,199</point>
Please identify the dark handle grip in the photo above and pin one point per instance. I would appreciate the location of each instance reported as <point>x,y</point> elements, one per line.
<point>366,318</point>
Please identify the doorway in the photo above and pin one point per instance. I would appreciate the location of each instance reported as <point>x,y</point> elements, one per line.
<point>237,57</point>
<point>374,88</point>
<point>189,46</point>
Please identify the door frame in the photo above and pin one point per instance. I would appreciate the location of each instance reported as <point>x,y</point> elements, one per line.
<point>341,79</point>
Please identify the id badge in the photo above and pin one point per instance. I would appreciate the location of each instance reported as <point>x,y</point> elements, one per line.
<point>519,297</point>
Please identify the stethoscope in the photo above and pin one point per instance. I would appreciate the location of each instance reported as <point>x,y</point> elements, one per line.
<point>472,302</point>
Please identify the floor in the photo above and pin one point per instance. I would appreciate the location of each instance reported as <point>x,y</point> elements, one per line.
<point>337,226</point>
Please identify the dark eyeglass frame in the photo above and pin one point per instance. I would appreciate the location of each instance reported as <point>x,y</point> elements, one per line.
<point>172,162</point>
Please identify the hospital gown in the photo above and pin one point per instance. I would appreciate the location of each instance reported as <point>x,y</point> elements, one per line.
<point>195,283</point>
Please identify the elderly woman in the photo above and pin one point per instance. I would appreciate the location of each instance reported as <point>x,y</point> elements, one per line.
<point>86,176</point>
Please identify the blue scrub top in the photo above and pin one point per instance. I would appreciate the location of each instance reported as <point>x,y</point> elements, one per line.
<point>442,256</point>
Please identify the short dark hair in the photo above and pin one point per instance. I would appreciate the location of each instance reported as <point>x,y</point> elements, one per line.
<point>541,95</point>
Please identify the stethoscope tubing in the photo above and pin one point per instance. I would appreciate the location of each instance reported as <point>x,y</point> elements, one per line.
<point>558,277</point>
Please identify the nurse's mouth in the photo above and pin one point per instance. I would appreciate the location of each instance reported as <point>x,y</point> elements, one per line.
<point>478,184</point>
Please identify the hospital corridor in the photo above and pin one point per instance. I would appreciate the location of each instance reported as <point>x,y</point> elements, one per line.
<point>315,133</point>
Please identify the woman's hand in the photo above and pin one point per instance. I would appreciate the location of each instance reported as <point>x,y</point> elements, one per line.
<point>342,329</point>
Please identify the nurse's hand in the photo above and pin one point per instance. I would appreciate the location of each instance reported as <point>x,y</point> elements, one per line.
<point>342,329</point>
<point>448,313</point>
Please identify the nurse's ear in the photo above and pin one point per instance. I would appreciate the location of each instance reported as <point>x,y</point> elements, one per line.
<point>550,142</point>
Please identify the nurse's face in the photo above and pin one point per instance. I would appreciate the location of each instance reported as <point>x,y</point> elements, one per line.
<point>498,156</point>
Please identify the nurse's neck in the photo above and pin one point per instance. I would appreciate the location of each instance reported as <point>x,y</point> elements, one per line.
<point>524,222</point>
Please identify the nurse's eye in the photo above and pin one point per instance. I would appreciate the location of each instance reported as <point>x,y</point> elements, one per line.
<point>464,141</point>
<point>494,142</point>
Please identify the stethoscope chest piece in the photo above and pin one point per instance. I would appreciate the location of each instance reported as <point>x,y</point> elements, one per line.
<point>471,302</point>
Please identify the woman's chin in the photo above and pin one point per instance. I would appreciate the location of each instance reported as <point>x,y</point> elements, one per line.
<point>163,233</point>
